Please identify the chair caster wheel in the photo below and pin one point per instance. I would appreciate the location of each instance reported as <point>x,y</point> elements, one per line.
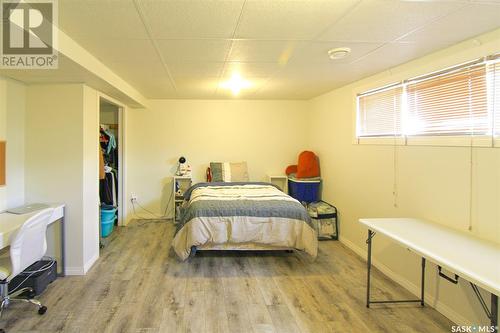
<point>42,310</point>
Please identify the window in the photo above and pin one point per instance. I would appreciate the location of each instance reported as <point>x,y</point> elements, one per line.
<point>459,101</point>
<point>454,103</point>
<point>494,97</point>
<point>380,112</point>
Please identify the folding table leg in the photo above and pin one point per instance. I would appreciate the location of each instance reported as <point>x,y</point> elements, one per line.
<point>369,266</point>
<point>494,312</point>
<point>422,288</point>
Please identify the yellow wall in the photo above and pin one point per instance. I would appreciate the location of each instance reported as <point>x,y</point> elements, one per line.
<point>267,134</point>
<point>62,163</point>
<point>12,113</point>
<point>431,182</point>
<point>3,135</point>
<point>90,176</point>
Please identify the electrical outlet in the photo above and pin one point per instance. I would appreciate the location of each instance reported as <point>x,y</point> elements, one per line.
<point>133,197</point>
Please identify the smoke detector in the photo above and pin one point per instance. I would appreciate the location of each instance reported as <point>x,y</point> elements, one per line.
<point>339,53</point>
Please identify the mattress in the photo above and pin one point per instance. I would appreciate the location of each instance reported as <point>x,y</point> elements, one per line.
<point>215,214</point>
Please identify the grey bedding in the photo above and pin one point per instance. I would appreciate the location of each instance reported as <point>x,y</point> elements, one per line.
<point>254,208</point>
<point>241,213</point>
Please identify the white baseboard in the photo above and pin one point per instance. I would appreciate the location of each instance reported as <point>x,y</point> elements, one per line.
<point>88,265</point>
<point>82,270</point>
<point>414,289</point>
<point>74,271</point>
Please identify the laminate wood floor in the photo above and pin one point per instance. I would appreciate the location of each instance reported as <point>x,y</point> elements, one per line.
<point>138,285</point>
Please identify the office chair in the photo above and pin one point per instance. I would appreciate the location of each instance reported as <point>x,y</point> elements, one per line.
<point>27,246</point>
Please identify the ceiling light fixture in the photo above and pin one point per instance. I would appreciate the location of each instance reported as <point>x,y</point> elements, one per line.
<point>339,53</point>
<point>235,84</point>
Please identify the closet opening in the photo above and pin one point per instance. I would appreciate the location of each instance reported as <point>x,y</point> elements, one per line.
<point>110,168</point>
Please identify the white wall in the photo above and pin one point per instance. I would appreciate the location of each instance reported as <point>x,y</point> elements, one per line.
<point>269,135</point>
<point>90,176</point>
<point>431,182</point>
<point>3,136</point>
<point>12,112</point>
<point>62,162</point>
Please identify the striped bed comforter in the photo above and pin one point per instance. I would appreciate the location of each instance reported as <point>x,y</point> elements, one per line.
<point>243,213</point>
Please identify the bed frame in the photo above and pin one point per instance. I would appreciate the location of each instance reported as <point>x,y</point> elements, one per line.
<point>238,247</point>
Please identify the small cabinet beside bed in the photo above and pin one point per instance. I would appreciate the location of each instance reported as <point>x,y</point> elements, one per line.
<point>242,216</point>
<point>180,184</point>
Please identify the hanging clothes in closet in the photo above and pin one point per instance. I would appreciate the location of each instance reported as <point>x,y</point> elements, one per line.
<point>108,175</point>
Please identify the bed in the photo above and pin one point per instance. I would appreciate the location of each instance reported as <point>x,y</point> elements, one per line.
<point>242,216</point>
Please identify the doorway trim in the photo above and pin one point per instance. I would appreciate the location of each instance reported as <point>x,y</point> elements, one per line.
<point>122,169</point>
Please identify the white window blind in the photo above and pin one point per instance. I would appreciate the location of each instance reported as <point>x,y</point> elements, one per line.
<point>379,112</point>
<point>494,78</point>
<point>453,102</point>
<point>460,103</point>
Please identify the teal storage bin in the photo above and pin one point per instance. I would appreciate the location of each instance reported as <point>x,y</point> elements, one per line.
<point>107,212</point>
<point>107,227</point>
<point>108,217</point>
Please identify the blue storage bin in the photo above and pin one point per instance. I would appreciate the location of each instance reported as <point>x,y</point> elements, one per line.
<point>108,217</point>
<point>107,212</point>
<point>304,190</point>
<point>107,227</point>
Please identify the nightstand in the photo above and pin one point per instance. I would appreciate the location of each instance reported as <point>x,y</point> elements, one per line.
<point>279,180</point>
<point>181,183</point>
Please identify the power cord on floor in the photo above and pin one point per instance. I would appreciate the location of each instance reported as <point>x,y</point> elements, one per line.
<point>154,217</point>
<point>135,202</point>
<point>168,204</point>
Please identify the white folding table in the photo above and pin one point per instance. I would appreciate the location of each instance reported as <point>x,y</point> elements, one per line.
<point>468,257</point>
<point>9,223</point>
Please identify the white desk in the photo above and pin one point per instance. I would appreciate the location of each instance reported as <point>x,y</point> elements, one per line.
<point>9,223</point>
<point>468,257</point>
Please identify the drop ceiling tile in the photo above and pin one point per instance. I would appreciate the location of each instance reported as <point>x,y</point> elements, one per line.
<point>247,94</point>
<point>100,19</point>
<point>124,50</point>
<point>196,86</point>
<point>192,50</point>
<point>278,91</point>
<point>280,94</point>
<point>137,74</point>
<point>191,19</point>
<point>316,78</point>
<point>264,50</point>
<point>133,69</point>
<point>284,19</point>
<point>313,75</point>
<point>157,88</point>
<point>390,55</point>
<point>451,29</point>
<point>282,88</point>
<point>195,69</point>
<point>194,42</point>
<point>251,69</point>
<point>317,52</point>
<point>255,83</point>
<point>375,20</point>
